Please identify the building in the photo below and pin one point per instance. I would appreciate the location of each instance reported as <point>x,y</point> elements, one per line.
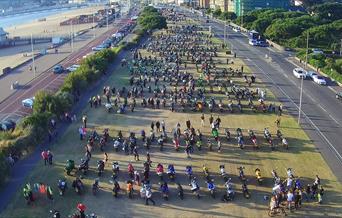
<point>243,6</point>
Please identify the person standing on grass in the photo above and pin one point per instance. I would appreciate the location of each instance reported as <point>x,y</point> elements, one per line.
<point>84,120</point>
<point>148,197</point>
<point>45,157</point>
<point>211,119</point>
<point>277,122</point>
<point>50,156</point>
<point>158,126</point>
<point>202,120</point>
<point>135,153</point>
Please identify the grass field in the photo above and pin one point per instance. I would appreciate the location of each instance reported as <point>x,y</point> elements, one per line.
<point>302,157</point>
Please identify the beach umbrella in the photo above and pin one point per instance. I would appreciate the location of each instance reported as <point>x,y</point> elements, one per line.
<point>81,207</point>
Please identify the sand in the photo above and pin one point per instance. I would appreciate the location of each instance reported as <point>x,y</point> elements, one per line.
<point>51,26</point>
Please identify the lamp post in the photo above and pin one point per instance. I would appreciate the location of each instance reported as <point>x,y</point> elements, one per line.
<point>33,64</point>
<point>301,83</point>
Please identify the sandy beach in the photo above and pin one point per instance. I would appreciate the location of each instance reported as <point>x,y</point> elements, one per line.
<point>51,26</point>
<point>12,56</point>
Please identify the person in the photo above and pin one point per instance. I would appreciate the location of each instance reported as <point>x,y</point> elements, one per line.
<point>280,110</point>
<point>49,193</point>
<point>211,119</point>
<point>277,122</point>
<point>290,198</point>
<point>163,125</point>
<point>149,196</point>
<point>298,198</point>
<point>158,126</point>
<point>116,188</point>
<point>27,192</point>
<point>202,120</point>
<point>135,153</point>
<point>84,120</point>
<point>50,156</point>
<point>273,203</point>
<point>80,131</point>
<point>45,157</point>
<point>152,126</point>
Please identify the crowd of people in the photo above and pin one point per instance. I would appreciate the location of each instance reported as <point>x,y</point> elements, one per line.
<point>162,80</point>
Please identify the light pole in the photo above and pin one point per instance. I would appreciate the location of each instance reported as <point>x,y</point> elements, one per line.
<point>225,33</point>
<point>301,83</point>
<point>33,65</point>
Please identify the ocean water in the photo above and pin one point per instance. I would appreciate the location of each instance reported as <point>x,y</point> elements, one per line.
<point>15,20</point>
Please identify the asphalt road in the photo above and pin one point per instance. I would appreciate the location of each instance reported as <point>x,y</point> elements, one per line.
<point>321,112</point>
<point>11,107</point>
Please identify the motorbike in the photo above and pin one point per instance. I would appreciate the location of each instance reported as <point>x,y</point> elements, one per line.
<point>165,191</point>
<point>176,143</point>
<point>267,134</point>
<point>130,170</point>
<point>143,135</point>
<point>55,214</point>
<point>95,187</point>
<point>77,184</point>
<point>241,173</point>
<point>115,169</point>
<point>130,189</point>
<point>147,143</point>
<point>84,166</point>
<point>195,187</point>
<point>206,173</point>
<point>100,167</point>
<point>116,189</point>
<point>160,171</point>
<point>199,145</point>
<point>276,178</point>
<point>227,133</point>
<point>161,143</point>
<point>188,171</point>
<point>285,143</point>
<point>230,194</point>
<point>211,188</point>
<point>279,134</point>
<point>117,145</point>
<point>258,175</point>
<point>180,191</point>
<point>240,141</point>
<point>62,186</point>
<point>70,165</point>
<point>253,139</point>
<point>245,190</point>
<point>223,173</point>
<point>171,172</point>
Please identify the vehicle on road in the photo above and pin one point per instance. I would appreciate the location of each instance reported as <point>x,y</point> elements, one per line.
<point>311,74</point>
<point>7,125</point>
<point>299,73</point>
<point>28,103</point>
<point>317,51</point>
<point>98,48</point>
<point>58,69</point>
<point>339,95</point>
<point>319,80</point>
<point>73,68</point>
<point>252,42</point>
<point>236,29</point>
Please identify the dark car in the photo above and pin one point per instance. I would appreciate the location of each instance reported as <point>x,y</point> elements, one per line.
<point>339,95</point>
<point>7,125</point>
<point>58,69</point>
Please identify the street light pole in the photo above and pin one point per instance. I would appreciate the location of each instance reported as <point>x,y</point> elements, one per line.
<point>33,65</point>
<point>225,33</point>
<point>301,83</point>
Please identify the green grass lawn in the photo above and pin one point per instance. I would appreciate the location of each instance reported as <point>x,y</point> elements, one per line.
<point>302,157</point>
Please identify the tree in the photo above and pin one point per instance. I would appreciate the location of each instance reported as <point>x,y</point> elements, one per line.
<point>217,12</point>
<point>227,15</point>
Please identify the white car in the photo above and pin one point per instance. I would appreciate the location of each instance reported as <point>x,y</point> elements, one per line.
<point>311,74</point>
<point>98,48</point>
<point>28,103</point>
<point>73,68</point>
<point>236,29</point>
<point>319,80</point>
<point>299,73</point>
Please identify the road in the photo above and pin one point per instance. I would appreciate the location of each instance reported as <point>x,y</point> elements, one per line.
<point>11,106</point>
<point>321,112</point>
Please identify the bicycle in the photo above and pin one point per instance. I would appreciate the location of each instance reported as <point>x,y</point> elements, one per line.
<point>278,211</point>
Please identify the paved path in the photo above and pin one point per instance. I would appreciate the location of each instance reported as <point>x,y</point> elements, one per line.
<point>10,107</point>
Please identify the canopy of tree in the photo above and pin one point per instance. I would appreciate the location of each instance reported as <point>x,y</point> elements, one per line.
<point>151,19</point>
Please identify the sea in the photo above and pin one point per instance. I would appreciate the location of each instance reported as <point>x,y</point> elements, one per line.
<point>23,18</point>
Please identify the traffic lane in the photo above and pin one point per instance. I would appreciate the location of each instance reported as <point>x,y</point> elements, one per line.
<point>321,95</point>
<point>14,103</point>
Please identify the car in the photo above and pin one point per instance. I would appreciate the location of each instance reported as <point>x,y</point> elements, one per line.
<point>299,73</point>
<point>319,80</point>
<point>317,51</point>
<point>236,29</point>
<point>7,125</point>
<point>73,68</point>
<point>338,95</point>
<point>58,69</point>
<point>28,103</point>
<point>310,74</point>
<point>252,42</point>
<point>261,43</point>
<point>98,48</point>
